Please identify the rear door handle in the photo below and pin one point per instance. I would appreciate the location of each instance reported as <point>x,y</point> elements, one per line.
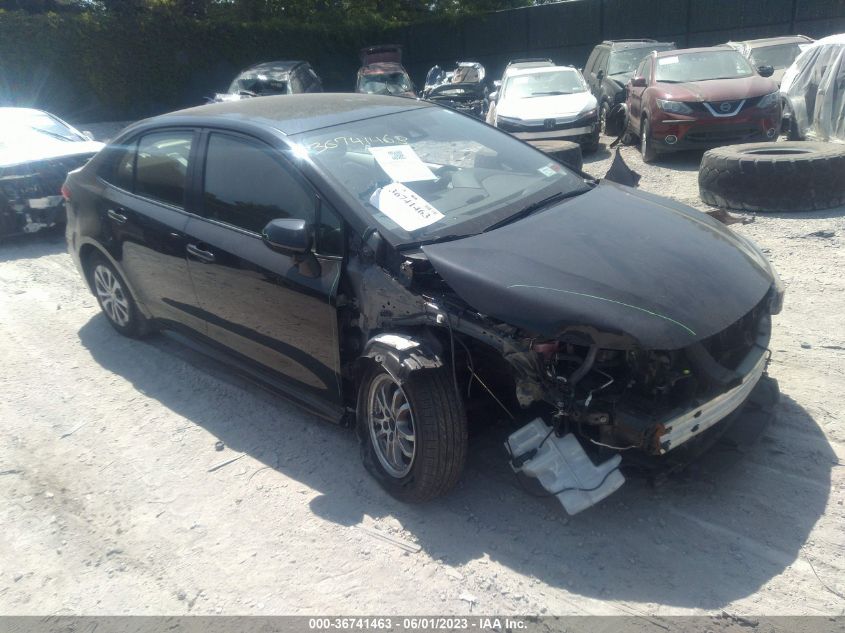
<point>200,254</point>
<point>116,216</point>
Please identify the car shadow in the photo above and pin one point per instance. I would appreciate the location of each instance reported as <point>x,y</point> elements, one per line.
<point>602,153</point>
<point>32,245</point>
<point>824,214</point>
<point>714,535</point>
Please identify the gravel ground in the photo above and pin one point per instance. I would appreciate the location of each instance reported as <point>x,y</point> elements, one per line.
<point>116,501</point>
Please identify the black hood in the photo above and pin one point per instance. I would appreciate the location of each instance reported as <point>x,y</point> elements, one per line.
<point>457,92</point>
<point>616,260</point>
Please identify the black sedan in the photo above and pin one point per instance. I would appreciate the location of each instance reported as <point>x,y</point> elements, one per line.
<point>402,267</point>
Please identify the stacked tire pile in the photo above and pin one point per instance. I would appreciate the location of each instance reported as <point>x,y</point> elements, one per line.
<point>788,176</point>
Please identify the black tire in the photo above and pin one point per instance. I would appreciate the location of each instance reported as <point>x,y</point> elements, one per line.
<point>562,151</point>
<point>117,304</point>
<point>647,148</point>
<point>788,176</point>
<point>616,120</point>
<point>439,427</point>
<point>592,145</point>
<point>604,110</point>
<point>788,124</point>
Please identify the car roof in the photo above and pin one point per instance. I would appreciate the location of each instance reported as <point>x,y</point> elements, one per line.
<point>381,67</point>
<point>619,45</point>
<point>15,110</point>
<point>839,38</point>
<point>273,67</point>
<point>290,114</point>
<point>771,41</point>
<point>700,49</point>
<point>519,72</point>
<point>530,62</point>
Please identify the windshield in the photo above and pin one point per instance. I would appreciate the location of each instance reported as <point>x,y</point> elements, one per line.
<point>540,84</point>
<point>626,60</point>
<point>780,56</point>
<point>702,66</point>
<point>430,173</point>
<point>259,85</point>
<point>384,83</point>
<point>15,124</point>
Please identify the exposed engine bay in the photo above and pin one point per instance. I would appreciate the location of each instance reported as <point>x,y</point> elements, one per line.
<point>581,400</point>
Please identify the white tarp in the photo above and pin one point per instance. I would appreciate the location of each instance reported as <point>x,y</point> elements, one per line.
<point>815,90</point>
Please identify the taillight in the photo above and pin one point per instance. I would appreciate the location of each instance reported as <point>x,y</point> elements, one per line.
<point>65,192</point>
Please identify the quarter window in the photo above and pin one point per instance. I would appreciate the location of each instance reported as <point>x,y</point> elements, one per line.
<point>119,168</point>
<point>246,186</point>
<point>161,166</point>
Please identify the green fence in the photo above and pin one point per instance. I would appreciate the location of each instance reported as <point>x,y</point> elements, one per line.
<point>91,67</point>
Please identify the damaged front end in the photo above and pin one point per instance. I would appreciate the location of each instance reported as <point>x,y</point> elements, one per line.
<point>587,359</point>
<point>30,194</point>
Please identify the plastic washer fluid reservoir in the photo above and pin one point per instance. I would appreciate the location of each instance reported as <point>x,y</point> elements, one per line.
<point>563,468</point>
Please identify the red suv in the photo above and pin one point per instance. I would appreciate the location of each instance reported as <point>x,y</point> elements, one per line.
<point>697,98</point>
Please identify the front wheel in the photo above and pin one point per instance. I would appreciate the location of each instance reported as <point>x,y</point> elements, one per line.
<point>414,434</point>
<point>647,148</point>
<point>603,112</point>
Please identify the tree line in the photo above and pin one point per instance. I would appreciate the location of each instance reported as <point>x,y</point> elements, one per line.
<point>387,11</point>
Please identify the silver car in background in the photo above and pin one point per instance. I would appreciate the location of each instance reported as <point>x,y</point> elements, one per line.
<point>37,150</point>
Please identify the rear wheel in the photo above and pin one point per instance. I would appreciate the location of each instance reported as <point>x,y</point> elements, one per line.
<point>115,299</point>
<point>647,148</point>
<point>414,434</point>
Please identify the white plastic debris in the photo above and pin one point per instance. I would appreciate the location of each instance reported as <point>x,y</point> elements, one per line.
<point>563,468</point>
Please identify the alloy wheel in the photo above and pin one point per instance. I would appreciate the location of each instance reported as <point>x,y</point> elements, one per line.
<point>391,425</point>
<point>111,294</point>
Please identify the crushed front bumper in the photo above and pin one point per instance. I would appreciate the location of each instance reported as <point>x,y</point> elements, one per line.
<point>681,426</point>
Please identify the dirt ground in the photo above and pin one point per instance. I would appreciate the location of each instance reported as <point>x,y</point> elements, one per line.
<point>116,501</point>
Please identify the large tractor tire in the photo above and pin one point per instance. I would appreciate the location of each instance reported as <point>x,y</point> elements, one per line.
<point>788,176</point>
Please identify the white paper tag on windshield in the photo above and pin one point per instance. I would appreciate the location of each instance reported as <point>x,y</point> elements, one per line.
<point>401,163</point>
<point>403,206</point>
<point>665,61</point>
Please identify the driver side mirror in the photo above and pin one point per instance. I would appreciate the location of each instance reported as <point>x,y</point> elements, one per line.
<point>89,135</point>
<point>638,82</point>
<point>493,96</point>
<point>288,236</point>
<point>765,71</point>
<point>293,237</point>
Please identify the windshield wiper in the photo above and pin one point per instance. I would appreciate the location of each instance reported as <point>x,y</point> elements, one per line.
<point>535,206</point>
<point>53,134</point>
<point>551,93</point>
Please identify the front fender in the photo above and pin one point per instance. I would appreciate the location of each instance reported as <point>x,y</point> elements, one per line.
<point>402,354</point>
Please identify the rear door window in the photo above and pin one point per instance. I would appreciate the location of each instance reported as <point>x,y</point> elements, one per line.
<point>161,166</point>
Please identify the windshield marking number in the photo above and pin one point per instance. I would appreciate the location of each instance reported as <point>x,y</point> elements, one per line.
<point>350,141</point>
<point>403,206</point>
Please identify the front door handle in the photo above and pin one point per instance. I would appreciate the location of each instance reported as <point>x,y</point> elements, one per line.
<point>116,216</point>
<point>200,254</point>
